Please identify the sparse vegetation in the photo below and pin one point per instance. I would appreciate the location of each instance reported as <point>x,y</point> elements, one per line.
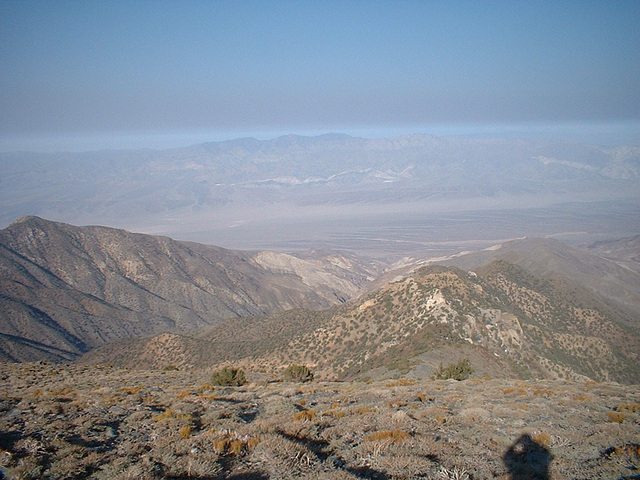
<point>460,370</point>
<point>123,424</point>
<point>229,377</point>
<point>298,373</point>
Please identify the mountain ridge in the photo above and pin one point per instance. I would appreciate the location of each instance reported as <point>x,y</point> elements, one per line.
<point>508,321</point>
<point>88,285</point>
<point>526,308</point>
<point>602,276</point>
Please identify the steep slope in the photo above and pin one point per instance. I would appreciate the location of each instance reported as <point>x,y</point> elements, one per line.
<point>66,289</point>
<point>613,284</point>
<point>536,327</point>
<point>509,322</point>
<point>624,251</point>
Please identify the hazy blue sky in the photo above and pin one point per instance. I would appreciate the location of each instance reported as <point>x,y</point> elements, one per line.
<point>189,69</point>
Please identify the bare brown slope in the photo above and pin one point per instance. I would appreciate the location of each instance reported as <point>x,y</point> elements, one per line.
<point>624,251</point>
<point>67,289</point>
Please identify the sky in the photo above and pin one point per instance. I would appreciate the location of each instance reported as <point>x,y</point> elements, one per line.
<point>100,74</point>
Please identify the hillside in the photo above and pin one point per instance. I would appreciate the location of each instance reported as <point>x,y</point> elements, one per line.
<point>506,320</point>
<point>77,421</point>
<point>65,289</point>
<point>529,308</point>
<point>601,276</point>
<point>625,251</point>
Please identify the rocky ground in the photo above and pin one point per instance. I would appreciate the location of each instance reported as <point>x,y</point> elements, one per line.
<point>72,421</point>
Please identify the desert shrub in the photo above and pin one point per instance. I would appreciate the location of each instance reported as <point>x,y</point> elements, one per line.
<point>185,431</point>
<point>457,371</point>
<point>228,377</point>
<point>298,373</point>
<point>305,415</point>
<point>616,417</point>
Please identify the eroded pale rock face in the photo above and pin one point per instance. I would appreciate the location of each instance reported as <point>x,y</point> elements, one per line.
<point>435,300</point>
<point>310,273</point>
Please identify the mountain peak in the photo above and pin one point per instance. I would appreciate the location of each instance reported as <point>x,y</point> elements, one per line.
<point>29,219</point>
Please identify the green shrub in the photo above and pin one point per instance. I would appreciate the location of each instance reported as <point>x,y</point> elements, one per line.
<point>457,371</point>
<point>298,373</point>
<point>228,377</point>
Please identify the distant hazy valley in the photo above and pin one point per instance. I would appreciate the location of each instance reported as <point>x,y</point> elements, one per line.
<point>359,293</point>
<point>375,263</point>
<point>413,195</point>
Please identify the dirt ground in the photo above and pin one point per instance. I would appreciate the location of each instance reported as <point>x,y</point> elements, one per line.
<point>71,422</point>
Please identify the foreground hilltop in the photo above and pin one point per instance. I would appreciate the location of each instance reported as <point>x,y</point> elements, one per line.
<point>107,423</point>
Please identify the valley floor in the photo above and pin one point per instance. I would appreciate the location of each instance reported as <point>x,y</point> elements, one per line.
<point>72,421</point>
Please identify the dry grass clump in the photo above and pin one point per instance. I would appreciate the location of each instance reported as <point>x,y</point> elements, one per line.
<point>185,431</point>
<point>519,391</point>
<point>305,415</point>
<point>168,413</point>
<point>388,436</point>
<point>616,417</point>
<point>581,398</point>
<point>542,438</point>
<point>403,382</point>
<point>628,407</point>
<point>335,413</point>
<point>232,443</point>
<point>543,392</point>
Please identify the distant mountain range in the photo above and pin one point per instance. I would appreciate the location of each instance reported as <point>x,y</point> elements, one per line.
<point>338,189</point>
<point>525,308</point>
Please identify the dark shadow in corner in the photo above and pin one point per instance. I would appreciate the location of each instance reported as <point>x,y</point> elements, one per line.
<point>526,459</point>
